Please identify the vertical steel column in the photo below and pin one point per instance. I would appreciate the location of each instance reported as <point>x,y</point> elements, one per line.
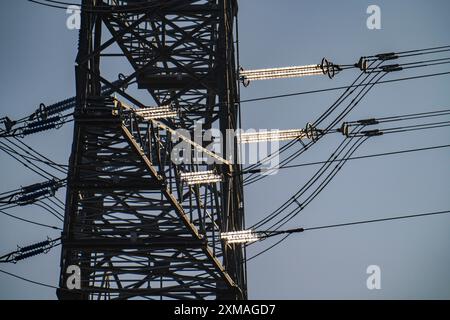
<point>132,226</point>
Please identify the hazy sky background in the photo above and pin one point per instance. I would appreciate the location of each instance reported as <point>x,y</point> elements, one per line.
<point>37,65</point>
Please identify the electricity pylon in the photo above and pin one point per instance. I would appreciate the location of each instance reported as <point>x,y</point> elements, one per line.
<point>133,225</point>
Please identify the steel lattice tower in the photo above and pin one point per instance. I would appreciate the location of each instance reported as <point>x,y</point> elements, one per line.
<point>134,228</point>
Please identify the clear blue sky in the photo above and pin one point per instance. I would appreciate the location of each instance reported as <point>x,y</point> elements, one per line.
<point>37,63</point>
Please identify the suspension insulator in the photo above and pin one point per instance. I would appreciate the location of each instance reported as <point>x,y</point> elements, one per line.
<point>33,197</point>
<point>61,106</point>
<point>29,254</point>
<point>39,129</point>
<point>38,245</point>
<point>39,186</point>
<point>70,103</point>
<point>46,121</point>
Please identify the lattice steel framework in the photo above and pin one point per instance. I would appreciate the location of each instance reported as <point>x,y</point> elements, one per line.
<point>134,228</point>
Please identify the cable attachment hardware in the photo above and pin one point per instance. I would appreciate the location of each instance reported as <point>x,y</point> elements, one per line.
<point>41,112</point>
<point>245,81</point>
<point>362,64</point>
<point>391,68</point>
<point>9,124</point>
<point>386,56</point>
<point>122,78</point>
<point>344,129</point>
<point>329,68</point>
<point>312,132</point>
<point>368,122</point>
<point>118,108</point>
<point>372,133</point>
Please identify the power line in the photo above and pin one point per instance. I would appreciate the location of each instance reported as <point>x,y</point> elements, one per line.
<point>37,155</point>
<point>365,156</point>
<point>353,103</point>
<point>346,224</point>
<point>268,249</point>
<point>29,221</point>
<point>420,50</point>
<point>314,179</point>
<point>409,116</point>
<point>338,225</point>
<point>301,206</point>
<point>11,153</point>
<point>416,127</point>
<point>294,198</point>
<point>356,100</point>
<point>50,210</point>
<point>28,280</point>
<point>29,161</point>
<point>347,94</point>
<point>403,129</point>
<point>341,88</point>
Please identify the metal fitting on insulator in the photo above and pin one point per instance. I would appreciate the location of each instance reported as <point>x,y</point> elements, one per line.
<point>368,122</point>
<point>9,124</point>
<point>122,78</point>
<point>329,68</point>
<point>372,133</point>
<point>311,132</point>
<point>362,64</point>
<point>117,108</point>
<point>295,230</point>
<point>42,112</point>
<point>387,56</point>
<point>29,254</point>
<point>344,129</point>
<point>244,80</point>
<point>391,68</point>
